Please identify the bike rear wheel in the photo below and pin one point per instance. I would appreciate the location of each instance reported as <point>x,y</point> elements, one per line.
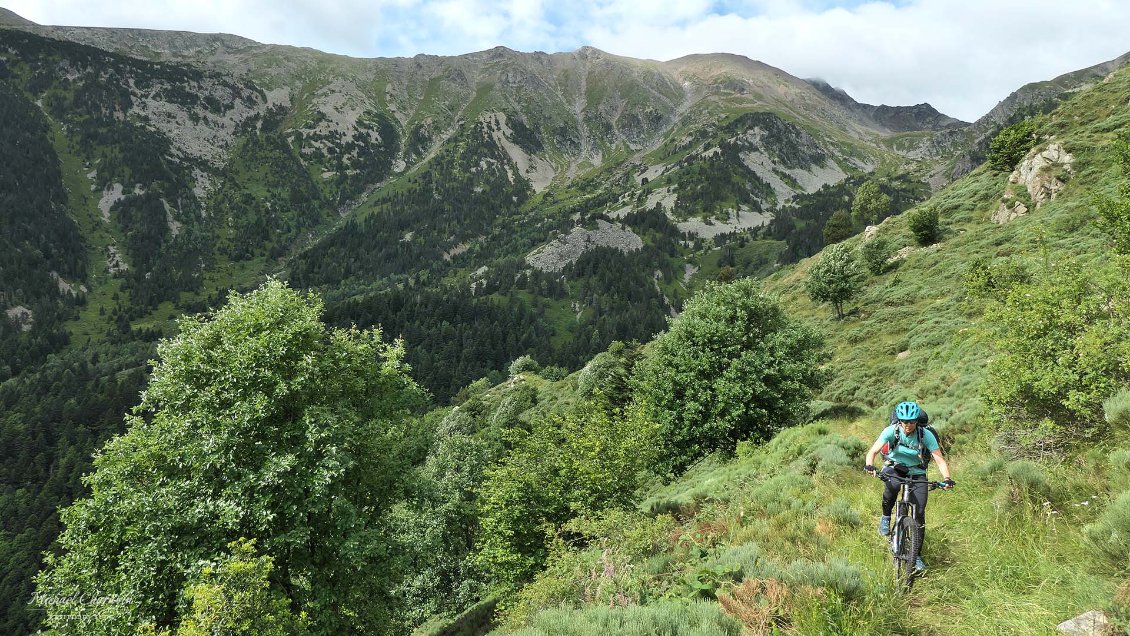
<point>906,546</point>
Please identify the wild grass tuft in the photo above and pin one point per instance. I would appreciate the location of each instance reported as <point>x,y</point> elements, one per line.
<point>1110,534</point>
<point>1116,409</point>
<point>663,618</point>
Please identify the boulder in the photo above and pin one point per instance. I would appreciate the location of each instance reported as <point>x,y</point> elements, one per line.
<point>1037,173</point>
<point>1010,209</point>
<point>1092,623</point>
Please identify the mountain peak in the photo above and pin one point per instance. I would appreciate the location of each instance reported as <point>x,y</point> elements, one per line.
<point>894,118</point>
<point>10,18</point>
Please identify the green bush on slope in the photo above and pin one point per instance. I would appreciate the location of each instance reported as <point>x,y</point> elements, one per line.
<point>584,461</point>
<point>1116,409</point>
<point>1011,144</point>
<point>731,367</point>
<point>1064,345</point>
<point>1110,534</point>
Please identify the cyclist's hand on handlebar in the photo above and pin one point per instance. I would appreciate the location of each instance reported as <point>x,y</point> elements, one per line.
<point>871,469</point>
<point>948,483</point>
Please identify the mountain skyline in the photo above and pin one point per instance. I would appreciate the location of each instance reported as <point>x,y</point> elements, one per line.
<point>962,58</point>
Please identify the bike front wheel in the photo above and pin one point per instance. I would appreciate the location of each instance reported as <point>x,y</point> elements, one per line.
<point>905,547</point>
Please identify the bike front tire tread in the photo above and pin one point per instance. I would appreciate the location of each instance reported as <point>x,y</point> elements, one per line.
<point>908,546</point>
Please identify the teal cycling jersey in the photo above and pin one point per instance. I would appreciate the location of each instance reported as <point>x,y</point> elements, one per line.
<point>907,452</point>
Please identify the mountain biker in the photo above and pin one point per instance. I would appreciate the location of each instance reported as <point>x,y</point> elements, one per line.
<point>907,446</point>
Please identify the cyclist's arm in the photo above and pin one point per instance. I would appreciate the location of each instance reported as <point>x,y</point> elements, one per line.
<point>874,450</point>
<point>943,467</point>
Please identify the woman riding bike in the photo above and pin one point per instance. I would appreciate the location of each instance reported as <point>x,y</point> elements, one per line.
<point>907,446</point>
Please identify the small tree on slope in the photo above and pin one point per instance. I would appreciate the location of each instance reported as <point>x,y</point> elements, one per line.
<point>835,278</point>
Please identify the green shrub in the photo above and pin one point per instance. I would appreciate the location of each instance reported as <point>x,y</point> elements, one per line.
<point>748,557</point>
<point>554,373</point>
<point>703,581</point>
<point>984,280</point>
<point>1110,534</point>
<point>875,253</point>
<point>924,224</point>
<point>838,575</point>
<point>1116,409</point>
<point>473,620</point>
<point>524,364</point>
<point>1064,347</point>
<point>990,467</point>
<point>606,373</point>
<point>778,494</point>
<point>581,462</point>
<point>831,458</point>
<point>731,367</point>
<point>1027,485</point>
<point>842,513</point>
<point>1011,144</point>
<point>1119,463</point>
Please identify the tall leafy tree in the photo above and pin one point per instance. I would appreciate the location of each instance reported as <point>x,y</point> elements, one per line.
<point>838,227</point>
<point>731,367</point>
<point>259,422</point>
<point>870,204</point>
<point>835,278</point>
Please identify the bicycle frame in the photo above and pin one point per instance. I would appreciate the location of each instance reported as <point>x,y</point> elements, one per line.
<point>904,529</point>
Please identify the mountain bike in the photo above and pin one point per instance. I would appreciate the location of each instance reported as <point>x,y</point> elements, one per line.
<point>904,535</point>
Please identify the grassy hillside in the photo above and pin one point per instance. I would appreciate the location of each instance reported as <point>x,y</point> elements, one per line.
<point>1005,549</point>
<point>781,539</point>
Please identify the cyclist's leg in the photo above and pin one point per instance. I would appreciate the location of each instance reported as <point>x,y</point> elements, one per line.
<point>890,492</point>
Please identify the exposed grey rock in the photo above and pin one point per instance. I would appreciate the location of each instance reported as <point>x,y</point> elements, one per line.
<point>1092,623</point>
<point>554,256</point>
<point>114,262</point>
<point>736,220</point>
<point>64,286</point>
<point>1010,209</point>
<point>901,254</point>
<point>21,316</point>
<point>1037,172</point>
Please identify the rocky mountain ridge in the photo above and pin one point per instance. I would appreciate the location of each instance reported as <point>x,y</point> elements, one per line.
<point>893,118</point>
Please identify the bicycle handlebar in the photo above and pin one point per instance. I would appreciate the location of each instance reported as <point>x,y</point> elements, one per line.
<point>930,485</point>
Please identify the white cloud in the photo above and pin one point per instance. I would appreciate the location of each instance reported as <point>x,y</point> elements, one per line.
<point>962,56</point>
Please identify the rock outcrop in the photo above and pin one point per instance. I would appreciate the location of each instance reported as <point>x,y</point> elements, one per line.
<point>554,256</point>
<point>22,317</point>
<point>1041,174</point>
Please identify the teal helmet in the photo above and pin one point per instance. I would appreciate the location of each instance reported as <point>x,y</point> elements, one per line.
<point>907,411</point>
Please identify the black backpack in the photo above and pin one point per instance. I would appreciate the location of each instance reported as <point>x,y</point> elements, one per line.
<point>923,424</point>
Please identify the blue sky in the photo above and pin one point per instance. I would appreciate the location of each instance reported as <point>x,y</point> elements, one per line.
<point>961,56</point>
